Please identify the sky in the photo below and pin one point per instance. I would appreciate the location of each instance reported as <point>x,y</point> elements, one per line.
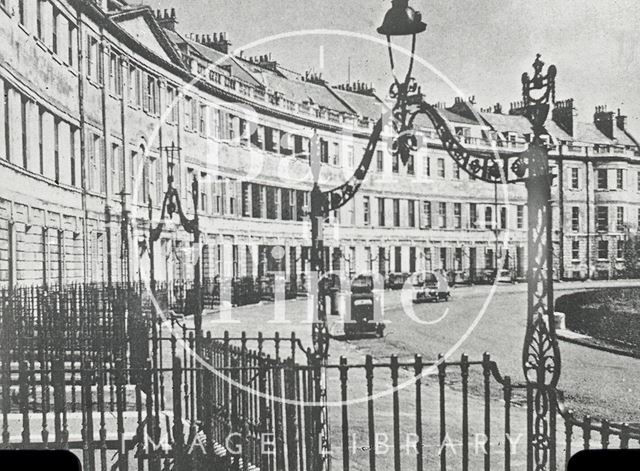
<point>480,46</point>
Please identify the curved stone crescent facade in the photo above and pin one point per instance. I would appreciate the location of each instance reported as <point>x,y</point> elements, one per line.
<point>91,91</point>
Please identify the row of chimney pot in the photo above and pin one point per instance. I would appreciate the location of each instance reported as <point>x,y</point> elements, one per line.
<point>208,38</point>
<point>359,87</point>
<point>313,77</point>
<point>471,99</point>
<point>168,15</point>
<point>601,112</point>
<point>564,104</point>
<point>260,59</point>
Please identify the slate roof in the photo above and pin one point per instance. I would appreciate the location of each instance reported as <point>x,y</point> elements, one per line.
<point>422,121</point>
<point>364,105</point>
<point>456,118</point>
<point>507,123</point>
<point>167,45</point>
<point>589,133</point>
<point>301,92</point>
<point>556,132</point>
<point>213,56</point>
<point>623,138</point>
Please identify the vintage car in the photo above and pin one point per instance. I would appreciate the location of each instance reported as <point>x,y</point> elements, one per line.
<point>396,281</point>
<point>363,300</point>
<point>430,286</point>
<point>506,276</point>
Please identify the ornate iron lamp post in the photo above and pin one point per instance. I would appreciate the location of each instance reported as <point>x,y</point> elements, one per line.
<point>541,357</point>
<point>171,205</point>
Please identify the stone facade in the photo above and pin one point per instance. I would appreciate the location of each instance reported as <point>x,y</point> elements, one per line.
<point>91,91</point>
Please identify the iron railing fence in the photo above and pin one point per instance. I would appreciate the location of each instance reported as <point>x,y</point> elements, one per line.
<point>587,432</point>
<point>279,347</point>
<point>70,323</point>
<point>238,291</point>
<point>417,414</point>
<point>119,427</point>
<point>95,374</point>
<point>244,422</point>
<point>382,414</point>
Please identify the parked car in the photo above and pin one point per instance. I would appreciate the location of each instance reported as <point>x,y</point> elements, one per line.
<point>363,301</point>
<point>431,286</point>
<point>396,280</point>
<point>460,277</point>
<point>485,276</point>
<point>506,276</point>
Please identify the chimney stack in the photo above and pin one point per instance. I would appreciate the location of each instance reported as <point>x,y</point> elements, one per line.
<point>621,121</point>
<point>603,119</point>
<point>564,115</point>
<point>464,107</point>
<point>265,61</point>
<point>167,19</point>
<point>313,77</point>
<point>215,41</point>
<point>517,108</point>
<point>357,87</point>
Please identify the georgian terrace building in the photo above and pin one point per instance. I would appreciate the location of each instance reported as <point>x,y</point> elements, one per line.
<point>91,90</point>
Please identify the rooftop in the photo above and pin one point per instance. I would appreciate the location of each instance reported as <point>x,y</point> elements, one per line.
<point>157,34</point>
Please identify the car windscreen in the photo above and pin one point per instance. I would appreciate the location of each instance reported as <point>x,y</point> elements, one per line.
<point>362,283</point>
<point>430,278</point>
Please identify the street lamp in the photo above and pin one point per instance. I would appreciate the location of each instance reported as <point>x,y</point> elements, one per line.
<point>541,356</point>
<point>402,20</point>
<point>171,205</point>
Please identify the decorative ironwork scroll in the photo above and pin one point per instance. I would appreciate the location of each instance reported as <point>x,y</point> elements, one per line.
<point>407,95</point>
<point>490,166</point>
<point>541,354</point>
<point>171,205</point>
<point>341,195</point>
<point>537,92</point>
